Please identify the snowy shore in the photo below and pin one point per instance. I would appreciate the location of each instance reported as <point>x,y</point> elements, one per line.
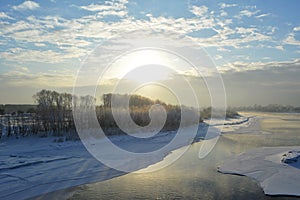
<point>34,166</point>
<point>277,169</point>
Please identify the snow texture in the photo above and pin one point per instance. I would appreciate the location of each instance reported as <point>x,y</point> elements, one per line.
<point>34,166</point>
<point>277,169</point>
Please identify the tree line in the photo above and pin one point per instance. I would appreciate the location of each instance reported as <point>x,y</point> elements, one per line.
<point>139,108</point>
<point>53,114</point>
<point>268,108</point>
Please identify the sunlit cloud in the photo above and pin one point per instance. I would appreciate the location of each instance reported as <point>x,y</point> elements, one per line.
<point>27,5</point>
<point>239,37</point>
<point>47,56</point>
<point>253,66</point>
<point>199,10</point>
<point>22,76</point>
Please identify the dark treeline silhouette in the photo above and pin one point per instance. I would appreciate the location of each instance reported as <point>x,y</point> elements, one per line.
<point>206,113</point>
<point>139,108</point>
<point>16,109</point>
<point>268,108</point>
<point>53,114</point>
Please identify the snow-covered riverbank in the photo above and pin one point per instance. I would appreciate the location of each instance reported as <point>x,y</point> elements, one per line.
<point>33,166</point>
<point>277,169</point>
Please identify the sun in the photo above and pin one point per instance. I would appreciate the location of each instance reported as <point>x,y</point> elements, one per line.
<point>143,66</point>
<point>145,57</point>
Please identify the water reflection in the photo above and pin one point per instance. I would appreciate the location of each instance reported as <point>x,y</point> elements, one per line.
<point>192,178</point>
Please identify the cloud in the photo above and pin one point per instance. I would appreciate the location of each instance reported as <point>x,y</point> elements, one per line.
<point>22,76</point>
<point>27,5</point>
<point>251,66</point>
<point>280,47</point>
<point>292,40</point>
<point>218,57</point>
<point>61,39</point>
<point>262,16</point>
<point>199,10</point>
<point>222,49</point>
<point>96,7</point>
<point>224,5</point>
<point>248,13</point>
<point>46,56</point>
<point>271,30</point>
<point>55,40</point>
<point>278,85</point>
<point>119,13</point>
<point>116,8</point>
<point>3,15</point>
<point>296,28</point>
<point>39,44</point>
<point>242,37</point>
<point>223,13</point>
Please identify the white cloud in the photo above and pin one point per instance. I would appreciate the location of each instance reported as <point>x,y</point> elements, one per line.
<point>108,8</point>
<point>96,7</point>
<point>59,40</point>
<point>121,13</point>
<point>76,37</point>
<point>297,28</point>
<point>224,5</point>
<point>223,13</point>
<point>248,13</point>
<point>27,5</point>
<point>262,16</point>
<point>266,58</point>
<point>222,49</point>
<point>218,57</point>
<point>243,36</point>
<point>292,40</point>
<point>280,47</point>
<point>271,30</point>
<point>39,44</point>
<point>239,66</point>
<point>21,76</point>
<point>47,56</point>
<point>3,15</point>
<point>199,10</point>
<point>116,8</point>
<point>244,30</point>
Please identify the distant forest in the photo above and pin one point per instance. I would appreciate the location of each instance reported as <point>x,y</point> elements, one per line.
<point>17,108</point>
<point>52,114</point>
<point>268,108</point>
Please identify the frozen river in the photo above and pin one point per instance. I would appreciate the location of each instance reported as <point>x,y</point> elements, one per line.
<point>192,178</point>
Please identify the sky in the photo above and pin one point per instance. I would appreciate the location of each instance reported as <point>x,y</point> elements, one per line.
<point>255,45</point>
